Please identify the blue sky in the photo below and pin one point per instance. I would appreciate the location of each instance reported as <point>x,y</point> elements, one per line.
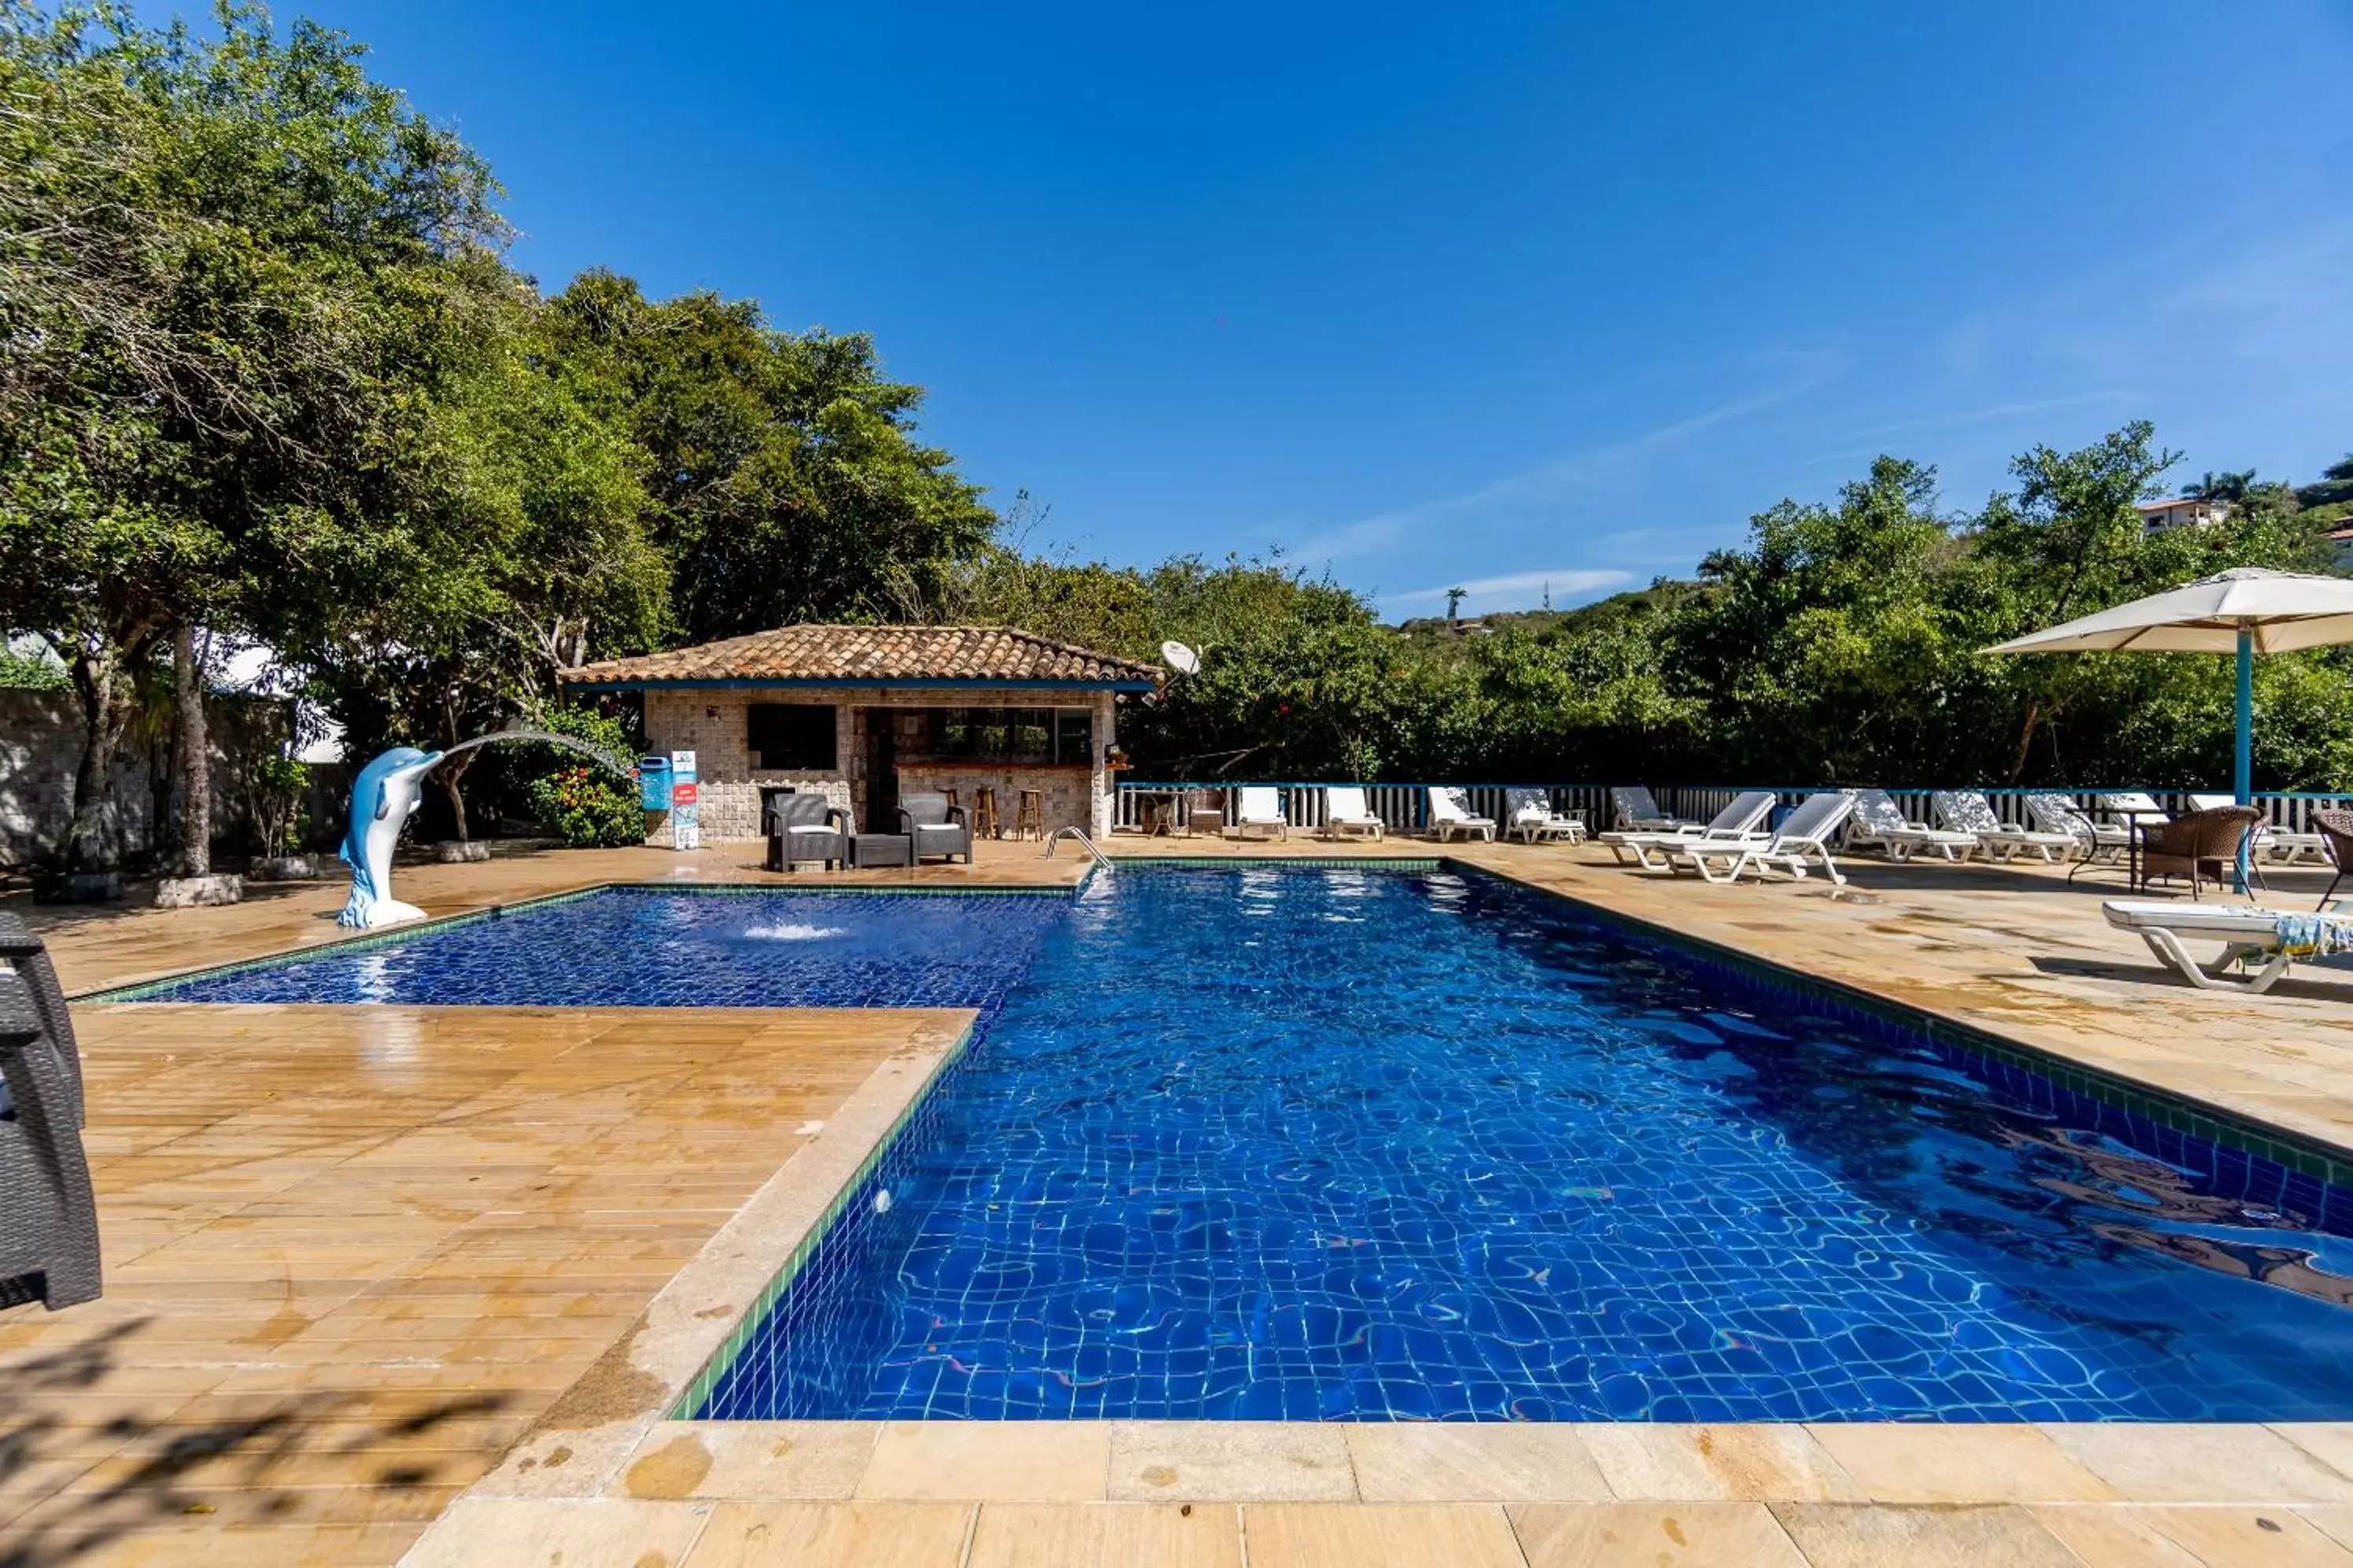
<point>1493,297</point>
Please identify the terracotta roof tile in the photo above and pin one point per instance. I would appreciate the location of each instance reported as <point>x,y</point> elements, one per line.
<point>854,654</point>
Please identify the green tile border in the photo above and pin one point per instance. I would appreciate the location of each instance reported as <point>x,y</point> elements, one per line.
<point>146,990</point>
<point>2300,1151</point>
<point>748,1323</point>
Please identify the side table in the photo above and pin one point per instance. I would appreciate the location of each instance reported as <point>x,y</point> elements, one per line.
<point>882,850</point>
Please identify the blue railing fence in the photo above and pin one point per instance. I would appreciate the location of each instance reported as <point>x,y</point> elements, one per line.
<point>1404,808</point>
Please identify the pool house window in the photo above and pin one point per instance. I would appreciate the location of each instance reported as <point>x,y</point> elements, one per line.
<point>999,735</point>
<point>795,736</point>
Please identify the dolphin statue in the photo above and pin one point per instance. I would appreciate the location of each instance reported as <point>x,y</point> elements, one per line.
<point>382,796</point>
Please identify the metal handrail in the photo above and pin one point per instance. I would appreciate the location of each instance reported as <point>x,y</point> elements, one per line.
<point>1081,834</point>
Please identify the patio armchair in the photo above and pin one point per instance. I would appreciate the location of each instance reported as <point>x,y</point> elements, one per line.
<point>805,826</point>
<point>2199,843</point>
<point>1528,814</point>
<point>1346,815</point>
<point>935,827</point>
<point>1879,823</point>
<point>2284,845</point>
<point>49,1218</point>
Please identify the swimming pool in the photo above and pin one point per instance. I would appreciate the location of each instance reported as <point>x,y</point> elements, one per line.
<point>636,946</point>
<point>1268,1142</point>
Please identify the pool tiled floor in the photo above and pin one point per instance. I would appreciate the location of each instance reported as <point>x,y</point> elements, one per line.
<point>353,1258</point>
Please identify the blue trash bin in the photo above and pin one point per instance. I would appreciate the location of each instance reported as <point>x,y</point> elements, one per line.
<point>653,783</point>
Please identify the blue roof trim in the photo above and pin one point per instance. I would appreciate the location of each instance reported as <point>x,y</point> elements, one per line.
<point>901,682</point>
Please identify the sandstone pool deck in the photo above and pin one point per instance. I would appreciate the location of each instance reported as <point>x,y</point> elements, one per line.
<point>367,1267</point>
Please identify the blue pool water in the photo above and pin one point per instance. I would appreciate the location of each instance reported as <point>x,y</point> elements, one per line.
<point>634,947</point>
<point>1260,1143</point>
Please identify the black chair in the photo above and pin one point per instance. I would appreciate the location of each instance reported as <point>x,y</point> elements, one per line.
<point>936,827</point>
<point>49,1218</point>
<point>805,827</point>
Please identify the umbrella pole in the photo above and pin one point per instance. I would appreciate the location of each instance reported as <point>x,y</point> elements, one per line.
<point>2244,769</point>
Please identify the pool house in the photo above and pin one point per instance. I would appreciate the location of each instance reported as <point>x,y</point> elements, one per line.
<point>864,714</point>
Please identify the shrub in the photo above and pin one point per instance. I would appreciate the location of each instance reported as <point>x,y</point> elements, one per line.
<point>275,791</point>
<point>589,808</point>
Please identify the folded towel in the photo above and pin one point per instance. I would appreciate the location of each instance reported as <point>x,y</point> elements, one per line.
<point>2313,936</point>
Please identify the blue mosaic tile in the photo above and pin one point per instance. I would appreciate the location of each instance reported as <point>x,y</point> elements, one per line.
<point>1271,1143</point>
<point>643,947</point>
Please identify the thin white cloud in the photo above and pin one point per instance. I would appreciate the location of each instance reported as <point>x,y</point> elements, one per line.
<point>1560,582</point>
<point>2112,396</point>
<point>1562,480</point>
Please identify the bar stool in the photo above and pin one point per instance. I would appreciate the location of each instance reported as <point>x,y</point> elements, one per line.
<point>984,811</point>
<point>1029,815</point>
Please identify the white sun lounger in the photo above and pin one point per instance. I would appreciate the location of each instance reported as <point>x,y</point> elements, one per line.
<point>1968,811</point>
<point>1806,832</point>
<point>2057,814</point>
<point>1735,824</point>
<point>2285,848</point>
<point>1633,809</point>
<point>1258,812</point>
<point>2246,934</point>
<point>1879,823</point>
<point>1346,815</point>
<point>1528,814</point>
<point>1449,813</point>
<point>2138,807</point>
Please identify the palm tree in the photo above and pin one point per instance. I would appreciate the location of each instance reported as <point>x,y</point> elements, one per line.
<point>2222,487</point>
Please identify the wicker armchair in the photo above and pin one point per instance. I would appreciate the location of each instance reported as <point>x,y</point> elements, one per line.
<point>48,1220</point>
<point>935,827</point>
<point>2198,844</point>
<point>2335,830</point>
<point>805,826</point>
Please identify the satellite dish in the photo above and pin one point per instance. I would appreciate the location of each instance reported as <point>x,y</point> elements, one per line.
<point>1180,658</point>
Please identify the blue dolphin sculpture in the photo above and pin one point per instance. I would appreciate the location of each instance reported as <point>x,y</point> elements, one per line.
<point>382,796</point>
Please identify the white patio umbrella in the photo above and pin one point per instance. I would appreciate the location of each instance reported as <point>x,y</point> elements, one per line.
<point>2247,610</point>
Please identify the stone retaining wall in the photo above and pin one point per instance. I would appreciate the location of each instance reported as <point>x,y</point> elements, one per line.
<point>40,745</point>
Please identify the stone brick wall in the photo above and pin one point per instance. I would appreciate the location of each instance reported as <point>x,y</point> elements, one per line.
<point>40,745</point>
<point>714,725</point>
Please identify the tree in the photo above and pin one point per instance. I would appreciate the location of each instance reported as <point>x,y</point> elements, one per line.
<point>784,480</point>
<point>237,271</point>
<point>2223,487</point>
<point>540,561</point>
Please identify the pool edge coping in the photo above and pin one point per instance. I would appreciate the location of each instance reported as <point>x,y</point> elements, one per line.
<point>703,1314</point>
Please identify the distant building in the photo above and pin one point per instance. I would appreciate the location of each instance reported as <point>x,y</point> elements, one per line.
<point>2181,512</point>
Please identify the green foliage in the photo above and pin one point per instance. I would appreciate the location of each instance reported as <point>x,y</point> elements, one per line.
<point>275,787</point>
<point>783,481</point>
<point>264,372</point>
<point>24,671</point>
<point>586,805</point>
<point>587,808</point>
